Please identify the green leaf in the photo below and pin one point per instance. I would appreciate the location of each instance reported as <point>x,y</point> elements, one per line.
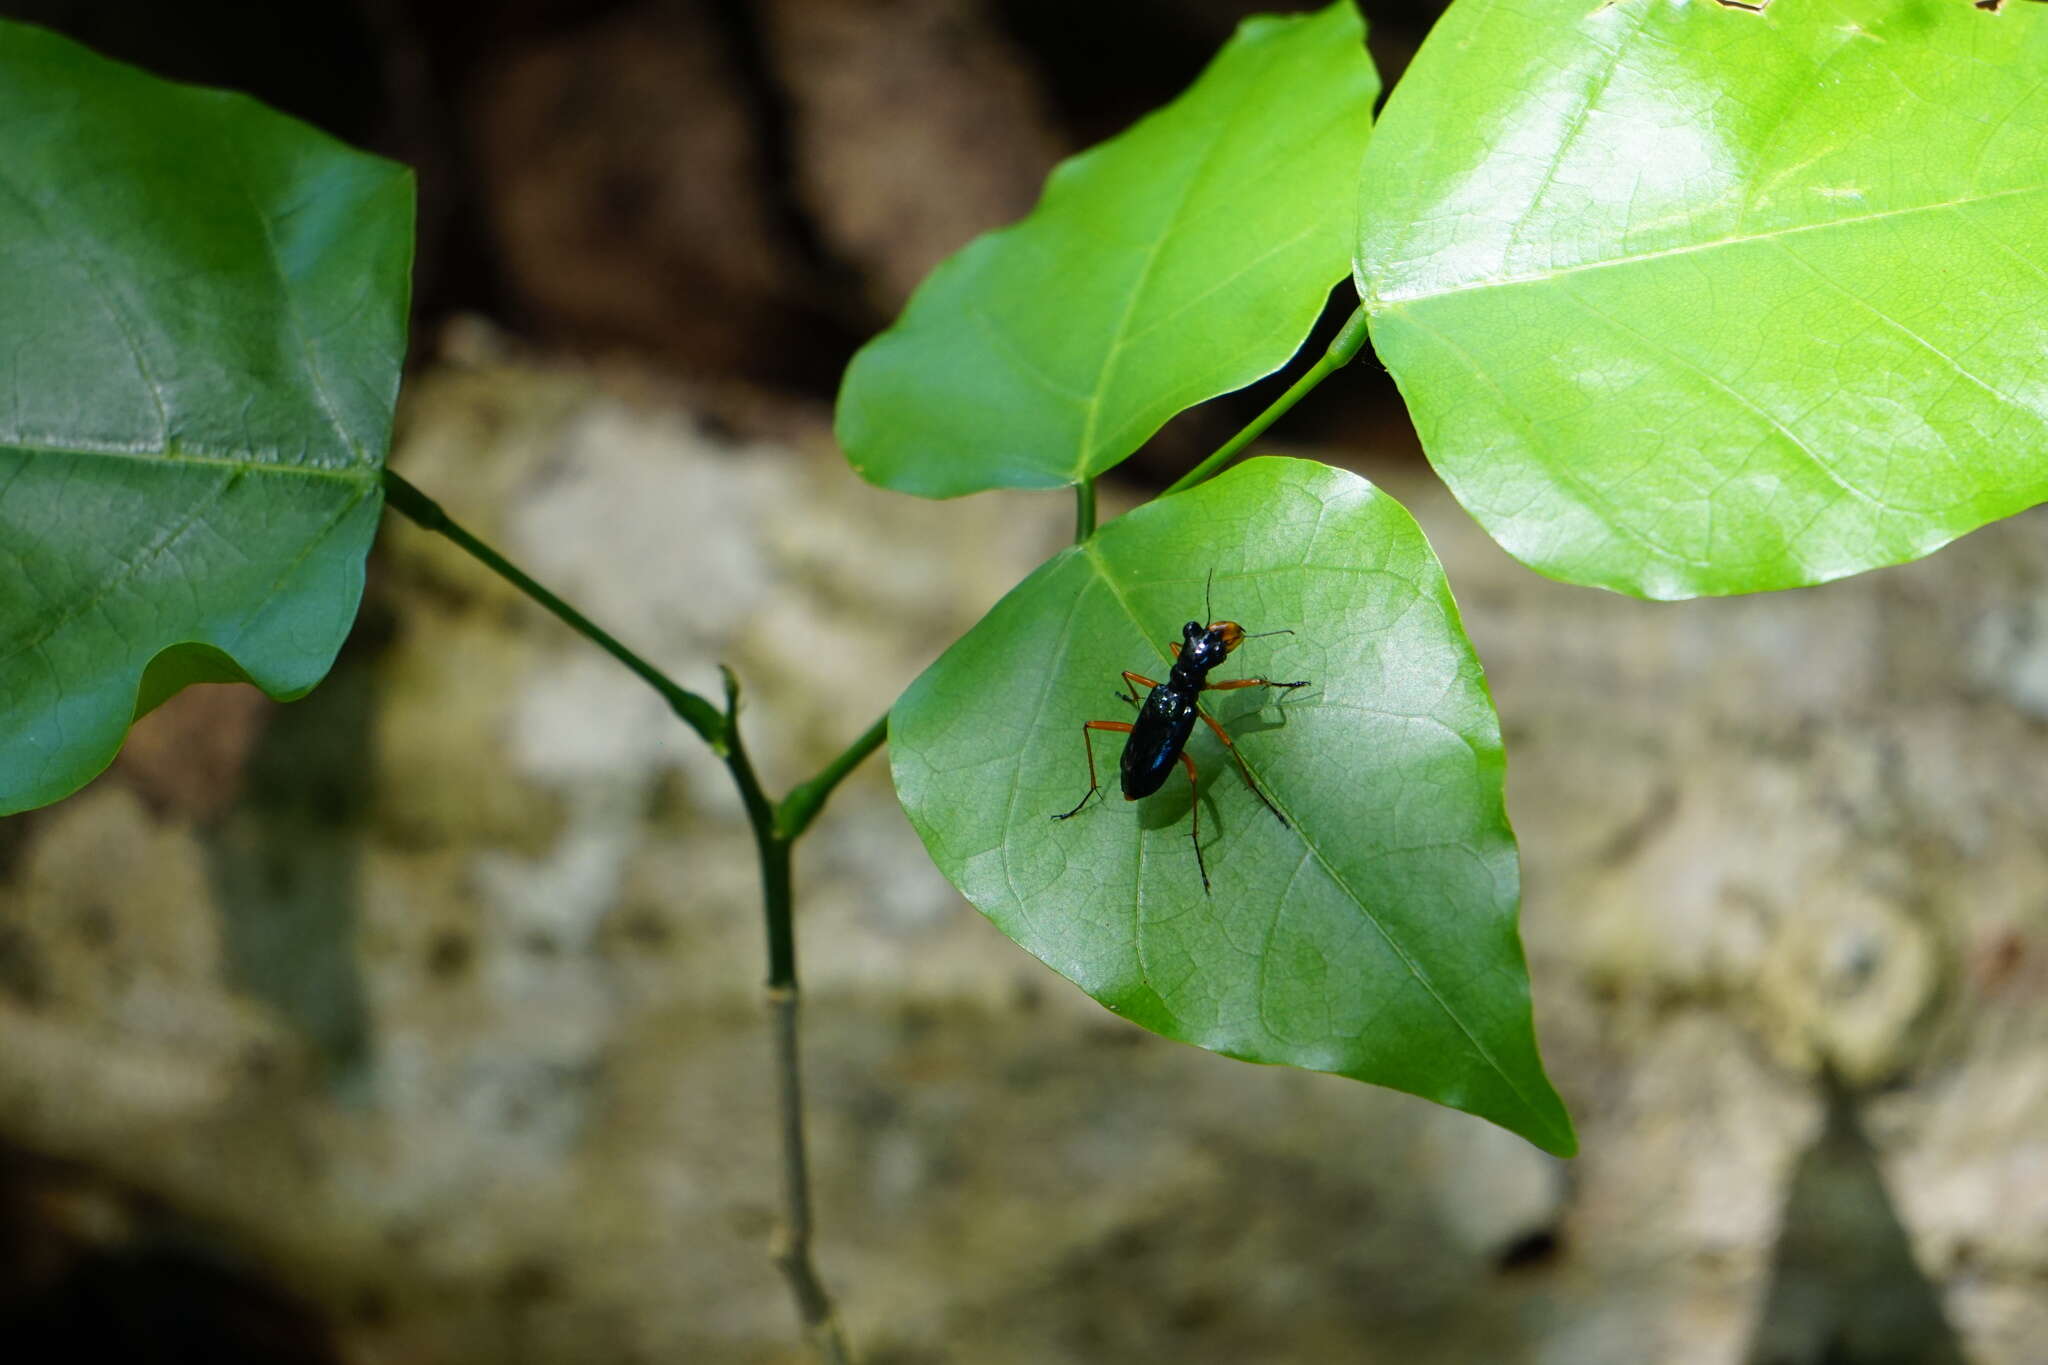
<point>1686,300</point>
<point>205,306</point>
<point>1185,258</point>
<point>1375,935</point>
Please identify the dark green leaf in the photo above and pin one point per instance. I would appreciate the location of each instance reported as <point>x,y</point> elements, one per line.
<point>1185,258</point>
<point>206,306</point>
<point>1375,936</point>
<point>1686,300</point>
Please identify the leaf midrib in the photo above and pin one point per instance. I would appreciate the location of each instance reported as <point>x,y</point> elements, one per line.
<point>354,473</point>
<point>1113,353</point>
<point>1379,302</point>
<point>1176,221</point>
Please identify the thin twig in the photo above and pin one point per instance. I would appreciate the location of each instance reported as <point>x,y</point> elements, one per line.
<point>793,1248</point>
<point>801,806</point>
<point>699,714</point>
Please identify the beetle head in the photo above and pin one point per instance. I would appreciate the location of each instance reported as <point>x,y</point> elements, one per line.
<point>1206,646</point>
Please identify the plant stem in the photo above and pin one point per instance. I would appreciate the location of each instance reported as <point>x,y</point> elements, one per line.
<point>699,714</point>
<point>775,830</point>
<point>768,842</point>
<point>801,806</point>
<point>1084,510</point>
<point>1343,349</point>
<point>793,1250</point>
<point>792,1253</point>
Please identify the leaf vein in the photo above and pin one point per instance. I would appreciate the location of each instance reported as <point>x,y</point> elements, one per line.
<point>186,456</point>
<point>1888,320</point>
<point>1742,400</point>
<point>107,299</point>
<point>149,554</point>
<point>1388,301</point>
<point>1113,356</point>
<point>287,293</point>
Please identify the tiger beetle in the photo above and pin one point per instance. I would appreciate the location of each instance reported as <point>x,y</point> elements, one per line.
<point>1167,718</point>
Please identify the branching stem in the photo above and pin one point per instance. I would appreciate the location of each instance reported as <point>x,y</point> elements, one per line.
<point>793,1247</point>
<point>775,829</point>
<point>801,806</point>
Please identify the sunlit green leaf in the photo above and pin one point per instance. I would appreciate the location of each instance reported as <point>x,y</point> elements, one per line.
<point>1183,259</point>
<point>205,309</point>
<point>1690,300</point>
<point>1374,935</point>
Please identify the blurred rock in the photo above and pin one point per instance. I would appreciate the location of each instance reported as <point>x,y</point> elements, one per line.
<point>187,756</point>
<point>627,184</point>
<point>1774,833</point>
<point>1762,835</point>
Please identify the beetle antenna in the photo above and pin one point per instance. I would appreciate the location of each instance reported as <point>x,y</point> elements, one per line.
<point>1264,633</point>
<point>1209,597</point>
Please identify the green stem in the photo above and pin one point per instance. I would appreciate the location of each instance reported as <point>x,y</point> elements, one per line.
<point>699,714</point>
<point>793,1246</point>
<point>1342,351</point>
<point>792,1252</point>
<point>1084,510</point>
<point>769,842</point>
<point>775,830</point>
<point>801,806</point>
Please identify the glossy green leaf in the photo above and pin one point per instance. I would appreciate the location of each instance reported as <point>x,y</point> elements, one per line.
<point>1375,935</point>
<point>1183,259</point>
<point>205,307</point>
<point>1687,300</point>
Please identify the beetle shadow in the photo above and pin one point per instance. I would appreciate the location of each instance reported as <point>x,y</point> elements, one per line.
<point>1260,714</point>
<point>1171,804</point>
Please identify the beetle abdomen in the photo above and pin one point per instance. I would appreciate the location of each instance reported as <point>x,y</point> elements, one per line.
<point>1157,737</point>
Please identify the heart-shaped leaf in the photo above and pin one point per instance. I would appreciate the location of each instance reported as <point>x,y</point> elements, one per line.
<point>1690,300</point>
<point>206,305</point>
<point>1373,934</point>
<point>1184,258</point>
